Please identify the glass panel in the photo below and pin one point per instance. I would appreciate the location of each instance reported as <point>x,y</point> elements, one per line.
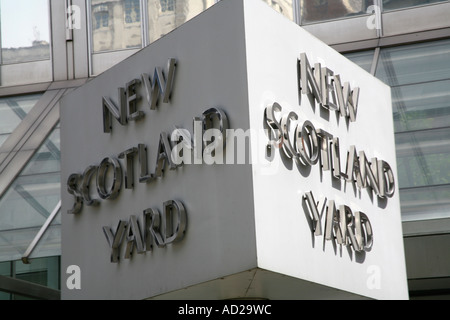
<point>397,4</point>
<point>423,158</point>
<point>284,7</point>
<point>5,270</point>
<point>30,200</point>
<point>422,106</point>
<point>25,33</point>
<point>116,24</point>
<point>425,203</point>
<point>363,59</point>
<point>13,110</point>
<point>166,15</point>
<point>415,63</point>
<point>319,10</point>
<point>43,271</point>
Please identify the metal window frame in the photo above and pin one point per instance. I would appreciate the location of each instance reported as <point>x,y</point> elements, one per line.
<point>38,237</point>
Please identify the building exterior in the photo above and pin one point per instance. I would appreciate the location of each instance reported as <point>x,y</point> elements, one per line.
<point>406,44</point>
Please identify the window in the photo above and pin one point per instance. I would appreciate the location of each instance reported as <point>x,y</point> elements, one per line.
<point>101,16</point>
<point>419,76</point>
<point>25,32</point>
<point>320,10</point>
<point>42,271</point>
<point>284,7</point>
<point>29,201</point>
<point>132,11</point>
<point>116,25</point>
<point>362,58</point>
<point>398,4</point>
<point>160,22</point>
<point>167,5</point>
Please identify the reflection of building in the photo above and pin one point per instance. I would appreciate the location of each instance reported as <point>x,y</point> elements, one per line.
<point>38,51</point>
<point>116,24</point>
<point>283,6</point>
<point>166,15</point>
<point>315,10</point>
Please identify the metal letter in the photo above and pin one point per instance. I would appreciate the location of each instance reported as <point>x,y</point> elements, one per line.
<point>369,171</point>
<point>152,229</point>
<point>314,212</point>
<point>335,225</point>
<point>85,183</point>
<point>336,158</point>
<point>274,133</point>
<point>347,99</point>
<point>132,99</point>
<point>325,139</point>
<point>72,188</point>
<point>307,143</point>
<point>134,238</point>
<point>285,129</point>
<point>115,239</point>
<point>366,231</point>
<point>208,117</point>
<point>128,155</point>
<point>307,76</point>
<point>164,156</point>
<point>144,176</point>
<point>110,110</point>
<point>386,179</point>
<point>175,221</point>
<point>116,181</point>
<point>159,85</point>
<point>328,89</point>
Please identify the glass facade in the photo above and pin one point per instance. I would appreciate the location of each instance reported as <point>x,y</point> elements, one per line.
<point>116,25</point>
<point>320,10</point>
<point>166,15</point>
<point>363,58</point>
<point>43,271</point>
<point>29,201</point>
<point>12,111</point>
<point>400,4</point>
<point>419,77</point>
<point>285,7</point>
<point>26,36</point>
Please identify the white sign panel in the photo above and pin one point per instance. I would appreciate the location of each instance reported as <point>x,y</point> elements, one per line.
<point>325,193</point>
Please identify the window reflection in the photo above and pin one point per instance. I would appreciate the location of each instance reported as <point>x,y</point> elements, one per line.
<point>397,4</point>
<point>25,34</point>
<point>421,106</point>
<point>282,6</point>
<point>166,15</point>
<point>425,202</point>
<point>116,24</point>
<point>419,76</point>
<point>319,10</point>
<point>423,158</point>
<point>415,63</point>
